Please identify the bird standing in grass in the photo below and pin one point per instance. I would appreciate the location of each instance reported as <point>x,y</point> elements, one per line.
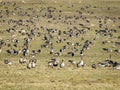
<point>93,66</point>
<point>22,60</point>
<point>116,65</point>
<point>81,64</point>
<point>8,62</point>
<point>72,62</point>
<point>53,63</point>
<point>31,64</point>
<point>62,65</point>
<point>50,64</point>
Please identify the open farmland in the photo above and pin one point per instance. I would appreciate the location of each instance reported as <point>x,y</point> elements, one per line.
<point>75,30</point>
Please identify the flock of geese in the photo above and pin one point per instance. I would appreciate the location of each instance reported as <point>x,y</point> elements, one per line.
<point>61,64</point>
<point>30,25</point>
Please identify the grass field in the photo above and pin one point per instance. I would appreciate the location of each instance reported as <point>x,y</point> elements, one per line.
<point>18,77</point>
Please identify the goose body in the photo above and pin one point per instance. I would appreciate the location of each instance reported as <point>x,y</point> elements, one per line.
<point>50,64</point>
<point>81,64</point>
<point>33,64</point>
<point>117,67</point>
<point>53,63</point>
<point>62,64</point>
<point>103,64</point>
<point>8,62</point>
<point>72,62</point>
<point>29,66</point>
<point>93,66</point>
<point>22,60</point>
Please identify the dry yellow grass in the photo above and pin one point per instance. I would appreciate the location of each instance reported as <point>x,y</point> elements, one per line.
<point>18,77</point>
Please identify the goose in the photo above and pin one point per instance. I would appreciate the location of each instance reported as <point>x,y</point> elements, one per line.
<point>110,62</point>
<point>22,60</point>
<point>8,62</point>
<point>50,64</point>
<point>103,64</point>
<point>72,62</point>
<point>51,50</point>
<point>81,64</point>
<point>54,62</point>
<point>71,54</point>
<point>116,65</point>
<point>31,65</point>
<point>93,66</point>
<point>62,65</point>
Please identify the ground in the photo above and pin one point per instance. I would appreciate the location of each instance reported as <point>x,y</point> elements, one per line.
<point>18,77</point>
